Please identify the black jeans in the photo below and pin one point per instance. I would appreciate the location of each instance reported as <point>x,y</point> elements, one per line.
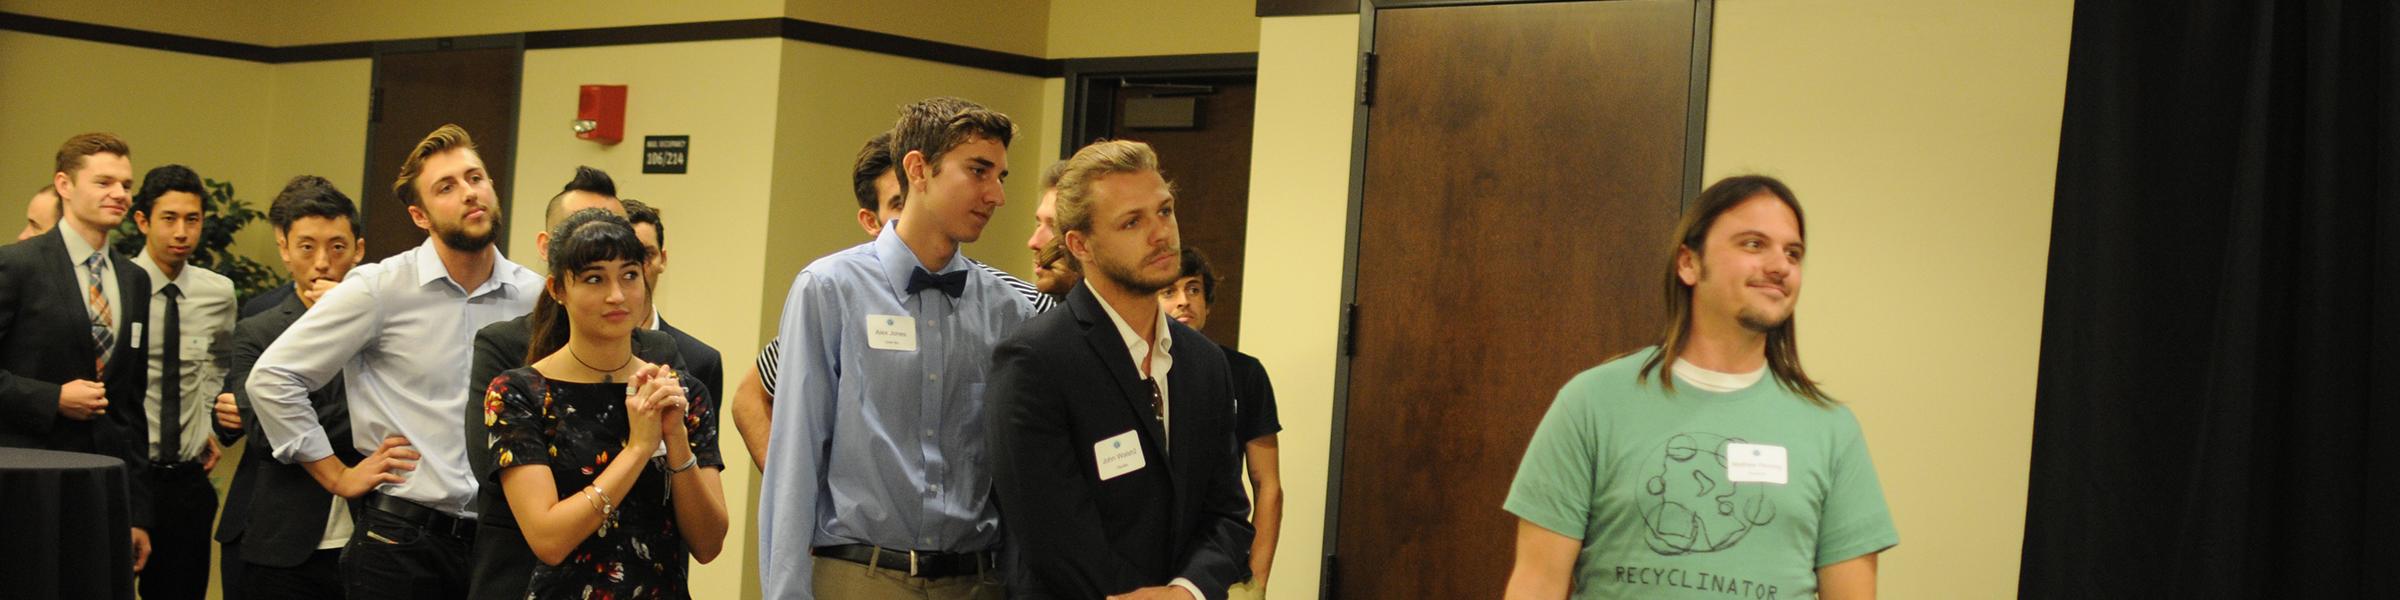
<point>320,577</point>
<point>393,557</point>
<point>186,507</point>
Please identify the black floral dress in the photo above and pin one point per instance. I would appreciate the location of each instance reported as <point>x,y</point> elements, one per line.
<point>576,429</point>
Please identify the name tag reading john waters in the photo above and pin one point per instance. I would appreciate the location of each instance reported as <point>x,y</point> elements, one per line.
<point>1118,455</point>
<point>892,332</point>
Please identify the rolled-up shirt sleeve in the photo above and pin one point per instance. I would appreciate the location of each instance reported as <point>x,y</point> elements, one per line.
<point>306,357</point>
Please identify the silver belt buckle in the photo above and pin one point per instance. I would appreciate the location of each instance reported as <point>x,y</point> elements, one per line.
<point>912,563</point>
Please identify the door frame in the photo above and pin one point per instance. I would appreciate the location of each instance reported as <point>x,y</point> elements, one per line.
<point>516,105</point>
<point>1695,128</point>
<point>1092,84</point>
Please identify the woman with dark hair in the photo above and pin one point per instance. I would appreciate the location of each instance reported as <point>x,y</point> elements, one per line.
<point>562,427</point>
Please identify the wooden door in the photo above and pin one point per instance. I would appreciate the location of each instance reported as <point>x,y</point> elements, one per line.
<point>1524,168</point>
<point>471,82</point>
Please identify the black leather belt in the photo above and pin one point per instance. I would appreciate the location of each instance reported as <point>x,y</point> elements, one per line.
<point>927,565</point>
<point>434,521</point>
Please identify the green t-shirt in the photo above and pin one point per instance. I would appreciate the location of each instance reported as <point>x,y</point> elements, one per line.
<point>1673,494</point>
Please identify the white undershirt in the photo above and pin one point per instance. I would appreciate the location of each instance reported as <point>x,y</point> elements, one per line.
<point>1716,381</point>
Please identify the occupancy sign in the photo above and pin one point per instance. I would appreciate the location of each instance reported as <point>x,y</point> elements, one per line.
<point>666,153</point>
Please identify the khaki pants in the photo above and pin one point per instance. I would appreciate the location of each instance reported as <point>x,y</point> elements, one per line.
<point>842,580</point>
<point>1247,590</point>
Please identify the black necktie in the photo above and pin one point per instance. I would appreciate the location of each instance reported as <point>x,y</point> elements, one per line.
<point>952,283</point>
<point>170,386</point>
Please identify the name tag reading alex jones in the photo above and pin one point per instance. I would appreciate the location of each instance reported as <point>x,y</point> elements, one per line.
<point>1118,455</point>
<point>892,332</point>
<point>1755,463</point>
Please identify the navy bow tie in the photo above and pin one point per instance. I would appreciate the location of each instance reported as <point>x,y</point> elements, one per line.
<point>952,283</point>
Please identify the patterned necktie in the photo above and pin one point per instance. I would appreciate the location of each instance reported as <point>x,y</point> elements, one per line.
<point>104,339</point>
<point>170,387</point>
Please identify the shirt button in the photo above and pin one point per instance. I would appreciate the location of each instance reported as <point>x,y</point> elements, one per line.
<point>928,433</point>
<point>937,488</point>
<point>934,376</point>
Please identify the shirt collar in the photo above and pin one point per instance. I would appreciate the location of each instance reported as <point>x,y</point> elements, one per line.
<point>430,269</point>
<point>77,250</point>
<point>158,276</point>
<point>1134,345</point>
<point>898,262</point>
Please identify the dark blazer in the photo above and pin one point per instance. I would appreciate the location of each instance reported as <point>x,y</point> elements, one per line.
<point>266,301</point>
<point>1061,385</point>
<point>45,341</point>
<point>288,504</point>
<point>503,562</point>
<point>706,363</point>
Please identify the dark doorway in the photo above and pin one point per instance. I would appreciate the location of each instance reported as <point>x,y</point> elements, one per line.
<point>1523,167</point>
<point>1196,112</point>
<point>419,86</point>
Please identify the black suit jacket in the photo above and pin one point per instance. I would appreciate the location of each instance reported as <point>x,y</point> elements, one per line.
<point>1061,385</point>
<point>266,301</point>
<point>706,363</point>
<point>46,341</point>
<point>289,506</point>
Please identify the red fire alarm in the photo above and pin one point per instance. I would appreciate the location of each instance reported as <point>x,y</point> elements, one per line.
<point>600,114</point>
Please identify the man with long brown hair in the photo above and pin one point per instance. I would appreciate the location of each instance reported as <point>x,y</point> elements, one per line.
<point>397,332</point>
<point>1677,470</point>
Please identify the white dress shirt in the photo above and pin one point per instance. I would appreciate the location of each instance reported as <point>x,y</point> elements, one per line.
<point>400,333</point>
<point>207,310</point>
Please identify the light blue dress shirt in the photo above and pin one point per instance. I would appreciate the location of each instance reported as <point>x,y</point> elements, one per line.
<point>876,445</point>
<point>400,331</point>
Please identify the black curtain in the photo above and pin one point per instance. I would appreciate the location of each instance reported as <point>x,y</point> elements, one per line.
<point>2215,413</point>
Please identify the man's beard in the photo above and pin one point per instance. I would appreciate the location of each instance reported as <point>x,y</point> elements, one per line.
<point>1757,321</point>
<point>1129,276</point>
<point>457,238</point>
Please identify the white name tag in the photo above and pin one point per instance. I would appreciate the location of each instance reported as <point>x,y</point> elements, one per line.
<point>892,332</point>
<point>137,336</point>
<point>1118,455</point>
<point>1755,463</point>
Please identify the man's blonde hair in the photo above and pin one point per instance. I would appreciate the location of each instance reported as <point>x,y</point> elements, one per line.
<point>1075,179</point>
<point>443,139</point>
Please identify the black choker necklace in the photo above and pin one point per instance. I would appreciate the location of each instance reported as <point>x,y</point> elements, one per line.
<point>606,375</point>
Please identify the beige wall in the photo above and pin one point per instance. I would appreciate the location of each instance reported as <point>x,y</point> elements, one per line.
<point>1299,203</point>
<point>711,287</point>
<point>1923,139</point>
<point>295,22</point>
<point>1094,28</point>
<point>1014,26</point>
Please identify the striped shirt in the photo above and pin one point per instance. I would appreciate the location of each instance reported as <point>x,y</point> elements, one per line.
<point>1041,303</point>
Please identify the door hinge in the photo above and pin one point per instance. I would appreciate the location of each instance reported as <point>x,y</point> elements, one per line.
<point>1366,78</point>
<point>1350,329</point>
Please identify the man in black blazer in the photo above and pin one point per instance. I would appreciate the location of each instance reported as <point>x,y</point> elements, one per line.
<point>1109,483</point>
<point>58,389</point>
<point>292,548</point>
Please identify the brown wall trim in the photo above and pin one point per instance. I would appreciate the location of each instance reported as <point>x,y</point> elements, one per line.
<point>736,29</point>
<point>1296,8</point>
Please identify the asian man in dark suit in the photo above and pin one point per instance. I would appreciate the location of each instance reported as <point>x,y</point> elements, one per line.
<point>281,532</point>
<point>1111,424</point>
<point>72,316</point>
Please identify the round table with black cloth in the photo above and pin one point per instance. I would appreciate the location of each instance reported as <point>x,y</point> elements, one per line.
<point>65,524</point>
